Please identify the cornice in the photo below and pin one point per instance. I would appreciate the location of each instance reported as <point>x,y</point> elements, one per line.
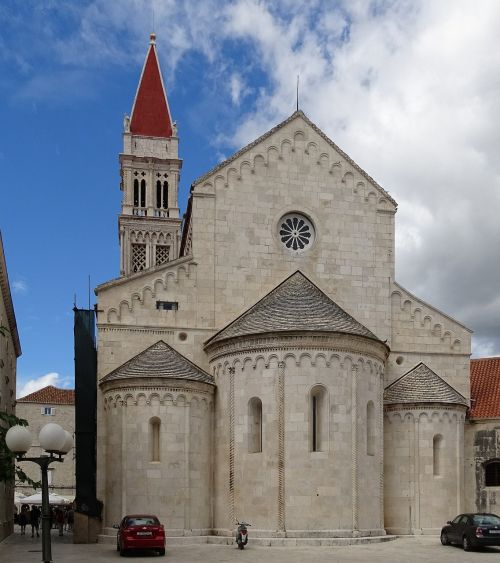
<point>162,385</point>
<point>164,267</point>
<point>337,342</point>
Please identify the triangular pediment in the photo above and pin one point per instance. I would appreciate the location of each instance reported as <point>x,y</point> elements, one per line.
<point>297,115</point>
<point>422,385</point>
<point>159,361</point>
<point>296,305</point>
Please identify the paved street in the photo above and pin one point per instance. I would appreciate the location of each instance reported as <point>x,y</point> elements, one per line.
<point>24,549</point>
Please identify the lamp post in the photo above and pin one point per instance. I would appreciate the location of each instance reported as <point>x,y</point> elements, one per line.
<point>56,442</point>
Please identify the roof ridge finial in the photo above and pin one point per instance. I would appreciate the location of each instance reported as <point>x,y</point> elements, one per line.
<point>152,38</point>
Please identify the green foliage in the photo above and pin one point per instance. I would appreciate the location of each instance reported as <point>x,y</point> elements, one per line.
<point>9,471</point>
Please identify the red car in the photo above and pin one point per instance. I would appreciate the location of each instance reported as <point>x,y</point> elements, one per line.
<point>139,532</point>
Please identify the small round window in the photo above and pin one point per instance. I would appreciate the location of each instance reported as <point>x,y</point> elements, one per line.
<point>296,232</point>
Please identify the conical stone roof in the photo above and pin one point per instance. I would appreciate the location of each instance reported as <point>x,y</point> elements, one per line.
<point>159,361</point>
<point>422,385</point>
<point>297,304</point>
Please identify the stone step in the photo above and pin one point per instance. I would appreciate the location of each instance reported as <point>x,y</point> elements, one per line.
<point>176,541</point>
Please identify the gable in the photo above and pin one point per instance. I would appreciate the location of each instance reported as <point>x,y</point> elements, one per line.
<point>327,153</point>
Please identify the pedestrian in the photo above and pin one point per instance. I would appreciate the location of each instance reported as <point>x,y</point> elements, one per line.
<point>60,520</point>
<point>35,521</point>
<point>71,518</point>
<point>23,518</point>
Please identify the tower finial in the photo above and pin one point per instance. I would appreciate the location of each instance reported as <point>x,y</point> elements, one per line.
<point>152,38</point>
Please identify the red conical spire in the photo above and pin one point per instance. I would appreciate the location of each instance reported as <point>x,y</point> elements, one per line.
<point>150,113</point>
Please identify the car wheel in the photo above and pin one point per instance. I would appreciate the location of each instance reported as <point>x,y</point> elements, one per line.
<point>444,538</point>
<point>123,552</point>
<point>161,551</point>
<point>466,544</point>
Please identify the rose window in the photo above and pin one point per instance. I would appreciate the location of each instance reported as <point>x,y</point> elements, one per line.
<point>296,232</point>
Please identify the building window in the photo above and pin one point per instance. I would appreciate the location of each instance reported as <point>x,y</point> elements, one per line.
<point>136,193</point>
<point>254,425</point>
<point>138,257</point>
<point>154,438</point>
<point>296,232</point>
<point>492,473</point>
<point>437,446</point>
<point>167,305</point>
<point>370,428</point>
<point>48,411</point>
<point>143,193</point>
<point>162,254</point>
<point>161,194</point>
<point>318,419</point>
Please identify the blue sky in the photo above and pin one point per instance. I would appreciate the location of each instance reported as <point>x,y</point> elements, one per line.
<point>410,90</point>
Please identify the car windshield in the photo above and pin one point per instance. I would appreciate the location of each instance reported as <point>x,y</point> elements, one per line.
<point>486,520</point>
<point>142,521</point>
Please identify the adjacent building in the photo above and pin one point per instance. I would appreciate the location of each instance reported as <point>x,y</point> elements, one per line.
<point>49,404</point>
<point>10,350</point>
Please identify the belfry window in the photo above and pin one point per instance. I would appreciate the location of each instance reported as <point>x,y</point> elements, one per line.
<point>437,446</point>
<point>370,428</point>
<point>161,194</point>
<point>318,419</point>
<point>492,473</point>
<point>136,193</point>
<point>254,425</point>
<point>143,193</point>
<point>154,438</point>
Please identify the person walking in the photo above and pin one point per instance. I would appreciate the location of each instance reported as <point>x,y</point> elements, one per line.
<point>71,518</point>
<point>60,520</point>
<point>35,521</point>
<point>23,518</point>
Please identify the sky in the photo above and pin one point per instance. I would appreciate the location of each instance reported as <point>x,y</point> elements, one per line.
<point>409,89</point>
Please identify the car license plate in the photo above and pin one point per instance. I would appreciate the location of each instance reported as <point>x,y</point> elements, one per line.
<point>144,533</point>
<point>494,531</point>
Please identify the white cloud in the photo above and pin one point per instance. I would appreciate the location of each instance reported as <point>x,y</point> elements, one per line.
<point>19,286</point>
<point>52,378</point>
<point>236,88</point>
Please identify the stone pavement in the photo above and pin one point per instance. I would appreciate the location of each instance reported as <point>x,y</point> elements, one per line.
<point>420,549</point>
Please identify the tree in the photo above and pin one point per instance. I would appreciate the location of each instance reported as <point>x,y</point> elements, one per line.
<point>9,471</point>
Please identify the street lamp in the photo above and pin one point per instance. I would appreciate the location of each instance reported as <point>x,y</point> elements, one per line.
<point>57,442</point>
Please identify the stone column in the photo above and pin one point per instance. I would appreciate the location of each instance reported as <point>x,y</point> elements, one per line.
<point>231,449</point>
<point>187,480</point>
<point>416,458</point>
<point>124,457</point>
<point>354,449</point>
<point>380,401</point>
<point>280,399</point>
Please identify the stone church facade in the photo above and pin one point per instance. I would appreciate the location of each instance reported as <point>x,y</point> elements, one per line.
<point>258,360</point>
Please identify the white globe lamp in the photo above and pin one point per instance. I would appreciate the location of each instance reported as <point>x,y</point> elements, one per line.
<point>52,438</point>
<point>18,439</point>
<point>68,443</point>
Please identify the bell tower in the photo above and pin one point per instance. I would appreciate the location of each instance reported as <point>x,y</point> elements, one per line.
<point>149,223</point>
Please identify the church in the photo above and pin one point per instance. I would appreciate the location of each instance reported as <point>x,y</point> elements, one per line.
<point>259,361</point>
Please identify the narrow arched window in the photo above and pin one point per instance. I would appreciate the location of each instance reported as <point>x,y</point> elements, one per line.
<point>154,438</point>
<point>158,194</point>
<point>437,446</point>
<point>254,425</point>
<point>136,193</point>
<point>143,193</point>
<point>318,418</point>
<point>492,473</point>
<point>370,428</point>
<point>165,195</point>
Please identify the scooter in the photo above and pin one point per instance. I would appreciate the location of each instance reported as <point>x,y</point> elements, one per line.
<point>242,534</point>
